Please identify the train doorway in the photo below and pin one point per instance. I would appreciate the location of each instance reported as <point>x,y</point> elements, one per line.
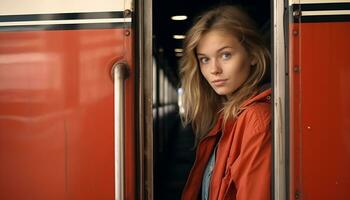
<point>174,150</point>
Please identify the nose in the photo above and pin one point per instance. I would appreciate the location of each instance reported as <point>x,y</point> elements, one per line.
<point>215,68</point>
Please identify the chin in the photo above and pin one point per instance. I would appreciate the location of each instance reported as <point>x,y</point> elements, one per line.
<point>221,92</point>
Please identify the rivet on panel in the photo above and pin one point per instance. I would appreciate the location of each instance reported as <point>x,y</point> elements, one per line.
<point>308,128</point>
<point>296,13</point>
<point>127,13</point>
<point>295,32</point>
<point>127,32</point>
<point>296,69</point>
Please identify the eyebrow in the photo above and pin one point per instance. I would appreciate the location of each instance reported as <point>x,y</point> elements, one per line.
<point>222,48</point>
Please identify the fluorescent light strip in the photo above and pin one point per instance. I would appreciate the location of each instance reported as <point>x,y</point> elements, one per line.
<point>179,17</point>
<point>325,12</point>
<point>178,50</point>
<point>178,37</point>
<point>73,21</point>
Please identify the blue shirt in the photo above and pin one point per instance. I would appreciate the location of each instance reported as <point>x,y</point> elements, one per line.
<point>207,176</point>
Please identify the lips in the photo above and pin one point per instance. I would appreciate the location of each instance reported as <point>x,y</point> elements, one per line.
<point>219,82</point>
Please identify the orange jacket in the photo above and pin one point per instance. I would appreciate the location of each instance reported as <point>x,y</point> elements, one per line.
<point>243,159</point>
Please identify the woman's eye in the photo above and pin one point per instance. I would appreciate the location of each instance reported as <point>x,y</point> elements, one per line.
<point>226,56</point>
<point>204,60</point>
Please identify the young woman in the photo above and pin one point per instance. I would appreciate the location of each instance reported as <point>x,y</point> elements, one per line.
<point>226,98</point>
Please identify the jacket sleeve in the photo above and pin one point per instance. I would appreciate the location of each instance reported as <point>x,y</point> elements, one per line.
<point>251,172</point>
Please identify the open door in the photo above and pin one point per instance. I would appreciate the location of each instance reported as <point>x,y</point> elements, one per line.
<point>58,100</point>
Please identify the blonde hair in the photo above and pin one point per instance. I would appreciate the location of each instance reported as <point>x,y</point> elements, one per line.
<point>201,104</point>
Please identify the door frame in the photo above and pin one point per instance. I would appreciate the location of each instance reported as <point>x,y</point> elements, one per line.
<point>144,90</point>
<point>279,42</point>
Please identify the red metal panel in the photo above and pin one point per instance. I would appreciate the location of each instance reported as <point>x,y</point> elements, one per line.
<point>130,158</point>
<point>294,71</point>
<point>324,115</point>
<point>56,114</point>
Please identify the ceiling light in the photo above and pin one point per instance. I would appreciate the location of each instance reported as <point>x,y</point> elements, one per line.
<point>177,50</point>
<point>179,17</point>
<point>179,54</point>
<point>178,37</point>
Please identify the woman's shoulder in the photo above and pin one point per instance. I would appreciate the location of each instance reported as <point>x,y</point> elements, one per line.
<point>258,108</point>
<point>256,116</point>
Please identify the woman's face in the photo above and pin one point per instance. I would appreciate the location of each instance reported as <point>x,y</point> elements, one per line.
<point>223,61</point>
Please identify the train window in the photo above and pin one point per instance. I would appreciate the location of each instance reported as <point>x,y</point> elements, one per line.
<point>174,150</point>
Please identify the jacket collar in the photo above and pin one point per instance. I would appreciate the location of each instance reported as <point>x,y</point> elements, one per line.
<point>263,95</point>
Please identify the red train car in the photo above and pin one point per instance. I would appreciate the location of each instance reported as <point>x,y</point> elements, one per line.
<point>61,100</point>
<point>77,79</point>
<point>319,94</point>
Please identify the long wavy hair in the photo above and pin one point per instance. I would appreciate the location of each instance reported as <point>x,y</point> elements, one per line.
<point>202,106</point>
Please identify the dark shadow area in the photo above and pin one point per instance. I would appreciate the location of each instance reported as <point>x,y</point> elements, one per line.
<point>175,160</point>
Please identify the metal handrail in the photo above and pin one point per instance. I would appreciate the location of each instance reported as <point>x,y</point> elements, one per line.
<point>119,73</point>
